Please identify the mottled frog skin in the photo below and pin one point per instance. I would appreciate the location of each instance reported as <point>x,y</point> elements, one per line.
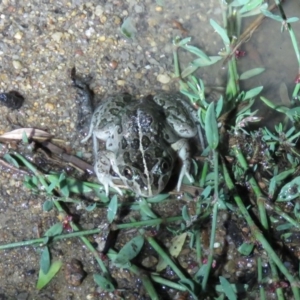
<point>144,139</point>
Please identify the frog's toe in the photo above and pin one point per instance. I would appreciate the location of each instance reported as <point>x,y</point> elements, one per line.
<point>187,174</point>
<point>83,141</point>
<point>116,188</point>
<point>107,182</point>
<point>190,177</point>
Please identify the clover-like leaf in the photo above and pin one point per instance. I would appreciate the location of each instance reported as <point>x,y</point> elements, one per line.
<point>129,251</point>
<point>104,282</point>
<point>44,279</point>
<point>45,260</point>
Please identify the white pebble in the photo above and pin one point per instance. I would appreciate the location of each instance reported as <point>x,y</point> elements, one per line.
<point>90,32</point>
<point>163,78</point>
<point>99,11</point>
<point>56,36</point>
<point>18,35</point>
<point>121,82</point>
<point>17,65</point>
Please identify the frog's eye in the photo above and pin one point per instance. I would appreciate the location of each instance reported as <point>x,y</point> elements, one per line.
<point>164,165</point>
<point>127,173</point>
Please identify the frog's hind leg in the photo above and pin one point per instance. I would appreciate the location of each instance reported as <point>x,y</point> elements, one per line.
<point>88,135</point>
<point>95,146</point>
<point>183,149</point>
<point>104,161</point>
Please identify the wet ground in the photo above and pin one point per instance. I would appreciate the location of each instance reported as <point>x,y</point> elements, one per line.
<point>41,41</point>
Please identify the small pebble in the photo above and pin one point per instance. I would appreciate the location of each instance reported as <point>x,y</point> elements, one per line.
<point>18,35</point>
<point>113,64</point>
<point>126,71</point>
<point>17,65</point>
<point>56,36</point>
<point>138,9</point>
<point>163,78</point>
<point>89,32</point>
<point>49,106</point>
<point>3,77</point>
<point>74,273</point>
<point>99,11</point>
<point>121,82</point>
<point>117,20</point>
<point>158,8</point>
<point>150,261</point>
<point>179,26</point>
<point>138,75</point>
<point>23,296</point>
<point>79,52</point>
<point>103,19</point>
<point>110,41</point>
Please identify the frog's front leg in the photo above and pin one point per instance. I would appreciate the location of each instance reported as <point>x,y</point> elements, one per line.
<point>104,161</point>
<point>178,114</point>
<point>183,149</point>
<point>110,136</point>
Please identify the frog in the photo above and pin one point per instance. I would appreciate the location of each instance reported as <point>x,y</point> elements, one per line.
<point>144,140</point>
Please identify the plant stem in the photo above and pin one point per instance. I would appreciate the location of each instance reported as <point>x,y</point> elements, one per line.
<point>198,249</point>
<point>165,282</point>
<point>53,239</point>
<point>214,220</point>
<point>165,257</point>
<point>260,198</point>
<point>232,87</point>
<point>176,61</point>
<point>282,214</point>
<point>152,222</point>
<point>259,278</point>
<point>203,174</point>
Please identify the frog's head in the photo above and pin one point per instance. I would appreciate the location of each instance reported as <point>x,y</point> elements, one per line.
<point>147,173</point>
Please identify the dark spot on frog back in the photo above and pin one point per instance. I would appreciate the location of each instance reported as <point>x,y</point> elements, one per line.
<point>151,161</point>
<point>123,143</point>
<point>135,159</point>
<point>126,157</point>
<point>145,120</point>
<point>158,151</point>
<point>145,142</point>
<point>96,118</point>
<point>135,144</point>
<point>114,111</point>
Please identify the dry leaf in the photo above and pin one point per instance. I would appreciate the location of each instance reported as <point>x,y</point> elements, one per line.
<point>31,133</point>
<point>177,244</point>
<point>174,250</point>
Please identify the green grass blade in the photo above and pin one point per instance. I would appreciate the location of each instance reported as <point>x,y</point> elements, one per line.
<point>211,127</point>
<point>251,73</point>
